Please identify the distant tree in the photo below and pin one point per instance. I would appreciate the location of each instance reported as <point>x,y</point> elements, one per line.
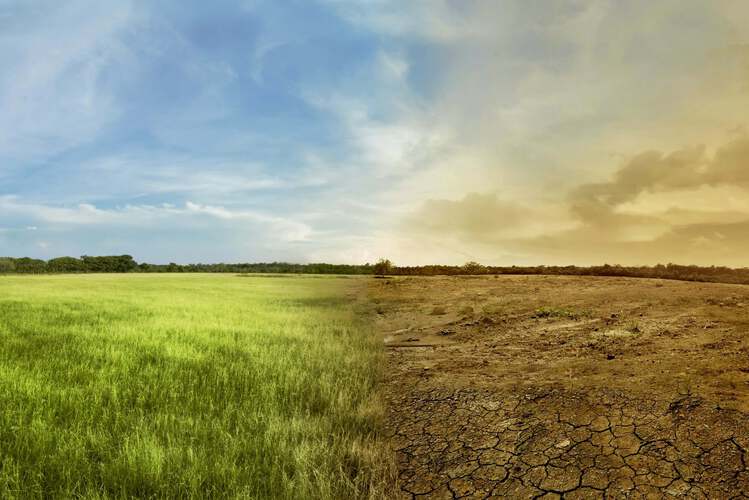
<point>109,264</point>
<point>7,265</point>
<point>65,265</point>
<point>126,264</point>
<point>27,265</point>
<point>473,268</point>
<point>383,267</point>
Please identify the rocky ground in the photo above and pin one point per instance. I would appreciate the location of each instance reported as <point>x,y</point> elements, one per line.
<point>549,387</point>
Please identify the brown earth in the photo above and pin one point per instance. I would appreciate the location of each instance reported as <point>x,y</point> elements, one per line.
<point>573,387</point>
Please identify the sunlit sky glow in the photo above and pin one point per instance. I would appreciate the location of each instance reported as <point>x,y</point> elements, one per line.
<point>508,132</point>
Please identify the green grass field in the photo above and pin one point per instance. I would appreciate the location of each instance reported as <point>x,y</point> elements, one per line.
<point>117,386</point>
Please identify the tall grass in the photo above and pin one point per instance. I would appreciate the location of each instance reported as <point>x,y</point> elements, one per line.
<point>184,386</point>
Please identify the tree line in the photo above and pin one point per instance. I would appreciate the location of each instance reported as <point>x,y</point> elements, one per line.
<point>718,274</point>
<point>126,264</point>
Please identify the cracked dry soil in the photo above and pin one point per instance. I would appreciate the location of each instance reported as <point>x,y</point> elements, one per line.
<point>566,387</point>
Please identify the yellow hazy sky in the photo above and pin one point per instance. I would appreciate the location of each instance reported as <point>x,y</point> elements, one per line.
<point>579,132</point>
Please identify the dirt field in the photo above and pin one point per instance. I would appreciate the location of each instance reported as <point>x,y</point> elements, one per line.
<point>573,387</point>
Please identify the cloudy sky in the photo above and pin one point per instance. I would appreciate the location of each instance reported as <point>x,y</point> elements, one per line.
<point>508,132</point>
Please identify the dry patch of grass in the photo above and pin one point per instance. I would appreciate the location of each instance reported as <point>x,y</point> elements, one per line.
<point>558,312</point>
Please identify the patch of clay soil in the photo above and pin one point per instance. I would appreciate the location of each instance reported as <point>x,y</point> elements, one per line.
<point>566,387</point>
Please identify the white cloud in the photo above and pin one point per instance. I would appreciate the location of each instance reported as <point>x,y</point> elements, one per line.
<point>287,229</point>
<point>84,214</point>
<point>436,20</point>
<point>393,67</point>
<point>383,147</point>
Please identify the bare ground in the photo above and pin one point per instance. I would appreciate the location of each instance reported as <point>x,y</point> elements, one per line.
<point>573,387</point>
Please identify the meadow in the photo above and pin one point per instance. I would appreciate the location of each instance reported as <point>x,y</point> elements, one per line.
<point>183,386</point>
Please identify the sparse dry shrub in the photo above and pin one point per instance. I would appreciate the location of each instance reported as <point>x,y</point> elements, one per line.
<point>634,327</point>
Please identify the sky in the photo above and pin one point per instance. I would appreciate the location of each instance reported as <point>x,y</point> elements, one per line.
<point>429,131</point>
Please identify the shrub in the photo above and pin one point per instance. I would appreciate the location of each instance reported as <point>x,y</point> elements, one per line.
<point>383,267</point>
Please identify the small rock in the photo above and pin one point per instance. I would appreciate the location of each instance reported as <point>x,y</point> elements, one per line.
<point>563,444</point>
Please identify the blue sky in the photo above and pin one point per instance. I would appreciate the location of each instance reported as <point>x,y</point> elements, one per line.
<point>189,130</point>
<point>346,130</point>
